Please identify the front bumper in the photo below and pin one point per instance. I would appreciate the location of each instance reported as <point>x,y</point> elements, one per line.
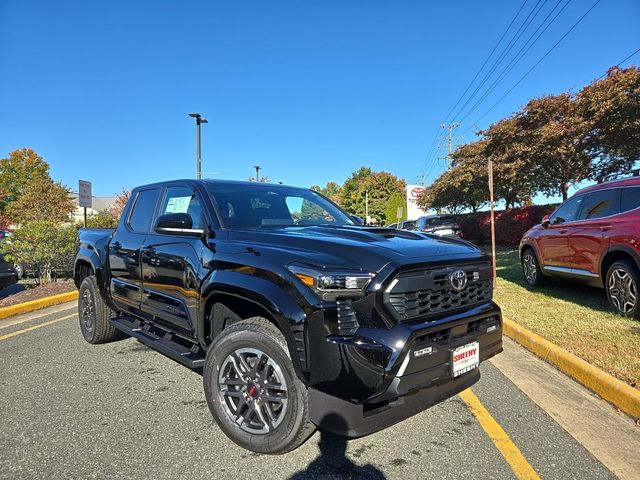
<point>385,376</point>
<point>8,278</point>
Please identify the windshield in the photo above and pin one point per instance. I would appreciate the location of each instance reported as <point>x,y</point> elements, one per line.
<point>267,205</point>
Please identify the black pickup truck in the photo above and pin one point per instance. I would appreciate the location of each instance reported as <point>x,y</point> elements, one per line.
<point>296,315</point>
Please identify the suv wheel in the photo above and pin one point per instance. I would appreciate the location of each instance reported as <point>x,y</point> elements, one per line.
<point>531,269</point>
<point>95,315</point>
<point>622,286</point>
<point>253,391</point>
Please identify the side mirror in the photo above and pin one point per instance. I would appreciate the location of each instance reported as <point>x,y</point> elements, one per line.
<point>357,220</point>
<point>177,224</point>
<point>545,221</point>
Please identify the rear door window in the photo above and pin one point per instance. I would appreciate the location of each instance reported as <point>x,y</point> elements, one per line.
<point>601,203</point>
<point>630,198</point>
<point>143,210</point>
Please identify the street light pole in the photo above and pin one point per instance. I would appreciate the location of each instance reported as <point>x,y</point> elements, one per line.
<point>199,120</point>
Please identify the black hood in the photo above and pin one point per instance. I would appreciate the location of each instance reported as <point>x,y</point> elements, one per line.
<point>358,247</point>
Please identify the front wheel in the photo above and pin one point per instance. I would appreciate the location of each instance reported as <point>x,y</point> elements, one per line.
<point>622,285</point>
<point>253,391</point>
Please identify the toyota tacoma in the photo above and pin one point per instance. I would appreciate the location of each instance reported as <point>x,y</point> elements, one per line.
<point>297,316</point>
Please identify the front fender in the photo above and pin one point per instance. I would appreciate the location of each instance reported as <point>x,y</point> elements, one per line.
<point>284,308</point>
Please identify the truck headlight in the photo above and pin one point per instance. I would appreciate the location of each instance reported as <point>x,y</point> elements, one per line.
<point>332,284</point>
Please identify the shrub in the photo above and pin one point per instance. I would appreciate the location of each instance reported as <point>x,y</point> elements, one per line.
<point>103,219</point>
<point>511,224</point>
<point>45,247</point>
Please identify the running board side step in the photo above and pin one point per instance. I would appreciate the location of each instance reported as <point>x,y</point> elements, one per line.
<point>161,340</point>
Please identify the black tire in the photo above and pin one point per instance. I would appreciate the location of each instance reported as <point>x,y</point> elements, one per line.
<point>622,285</point>
<point>531,268</point>
<point>274,399</point>
<point>95,315</point>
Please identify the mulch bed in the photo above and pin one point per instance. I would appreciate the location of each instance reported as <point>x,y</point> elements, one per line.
<point>34,292</point>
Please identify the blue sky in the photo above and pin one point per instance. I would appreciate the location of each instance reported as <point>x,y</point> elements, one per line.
<point>308,90</point>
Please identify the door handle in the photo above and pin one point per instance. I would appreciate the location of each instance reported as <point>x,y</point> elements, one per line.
<point>605,228</point>
<point>562,232</point>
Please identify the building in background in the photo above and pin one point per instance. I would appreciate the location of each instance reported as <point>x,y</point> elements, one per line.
<point>98,204</point>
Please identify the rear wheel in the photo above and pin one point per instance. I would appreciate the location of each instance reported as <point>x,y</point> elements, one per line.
<point>253,391</point>
<point>95,315</point>
<point>622,283</point>
<point>531,268</point>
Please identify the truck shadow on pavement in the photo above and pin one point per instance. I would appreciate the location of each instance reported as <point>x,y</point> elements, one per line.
<point>333,462</point>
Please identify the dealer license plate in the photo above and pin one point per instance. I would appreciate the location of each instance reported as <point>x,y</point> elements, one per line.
<point>465,358</point>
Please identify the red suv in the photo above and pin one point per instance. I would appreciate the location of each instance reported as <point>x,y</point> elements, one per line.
<point>594,238</point>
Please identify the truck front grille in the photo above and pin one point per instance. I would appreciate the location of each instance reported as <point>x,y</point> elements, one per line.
<point>430,292</point>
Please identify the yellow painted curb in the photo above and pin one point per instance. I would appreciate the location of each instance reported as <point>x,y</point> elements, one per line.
<point>33,305</point>
<point>615,391</point>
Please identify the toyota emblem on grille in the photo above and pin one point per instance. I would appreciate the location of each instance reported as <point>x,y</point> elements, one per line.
<point>458,280</point>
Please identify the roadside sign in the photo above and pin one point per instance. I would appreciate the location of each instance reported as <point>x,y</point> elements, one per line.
<point>84,193</point>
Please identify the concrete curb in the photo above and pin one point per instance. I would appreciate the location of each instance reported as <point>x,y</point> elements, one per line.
<point>616,392</point>
<point>38,304</point>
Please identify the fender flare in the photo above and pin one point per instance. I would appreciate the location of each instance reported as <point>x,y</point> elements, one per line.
<point>89,255</point>
<point>288,315</point>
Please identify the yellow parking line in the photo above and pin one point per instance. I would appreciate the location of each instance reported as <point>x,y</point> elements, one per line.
<point>500,438</point>
<point>25,330</point>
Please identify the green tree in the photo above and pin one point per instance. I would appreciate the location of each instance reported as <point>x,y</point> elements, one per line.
<point>102,220</point>
<point>611,107</point>
<point>396,200</point>
<point>43,199</point>
<point>44,246</point>
<point>349,197</point>
<point>380,185</point>
<point>513,172</point>
<point>331,190</point>
<point>555,143</point>
<point>16,171</point>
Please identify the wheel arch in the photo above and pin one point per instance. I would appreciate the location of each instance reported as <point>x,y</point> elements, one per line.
<point>614,254</point>
<point>232,297</point>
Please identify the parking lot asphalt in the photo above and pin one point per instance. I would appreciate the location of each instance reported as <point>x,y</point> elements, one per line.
<point>122,410</point>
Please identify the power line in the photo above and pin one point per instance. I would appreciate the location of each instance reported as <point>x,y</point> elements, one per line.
<point>429,159</point>
<point>519,55</point>
<point>485,61</point>
<point>505,52</point>
<point>538,62</point>
<point>619,63</point>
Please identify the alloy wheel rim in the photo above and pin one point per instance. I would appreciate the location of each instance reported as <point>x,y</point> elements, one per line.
<point>88,311</point>
<point>622,291</point>
<point>253,390</point>
<point>530,270</point>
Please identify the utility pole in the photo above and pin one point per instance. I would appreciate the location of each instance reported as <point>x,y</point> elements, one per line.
<point>199,120</point>
<point>449,141</point>
<point>257,167</point>
<point>493,223</point>
<point>366,207</point>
